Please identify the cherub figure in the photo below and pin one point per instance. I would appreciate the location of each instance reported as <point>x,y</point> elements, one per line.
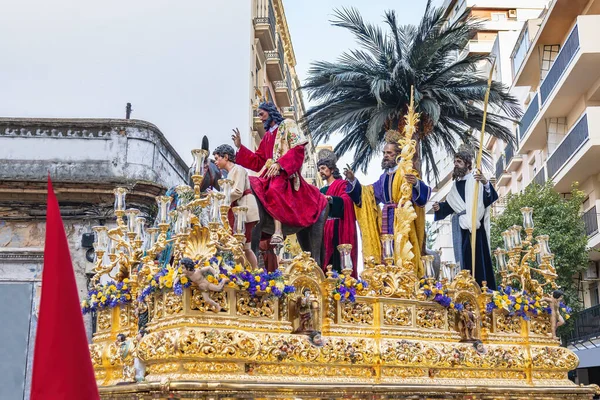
<point>198,276</point>
<point>307,307</point>
<point>556,319</point>
<point>467,323</point>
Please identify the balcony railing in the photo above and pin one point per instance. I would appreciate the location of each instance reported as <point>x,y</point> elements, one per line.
<point>529,116</point>
<point>265,15</point>
<point>281,85</point>
<point>540,177</point>
<point>509,153</point>
<point>569,146</point>
<point>590,220</point>
<point>561,63</point>
<point>499,168</point>
<point>586,325</point>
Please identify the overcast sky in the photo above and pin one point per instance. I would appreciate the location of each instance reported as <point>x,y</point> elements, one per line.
<point>183,64</point>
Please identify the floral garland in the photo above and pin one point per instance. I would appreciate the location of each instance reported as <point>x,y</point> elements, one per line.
<point>255,282</point>
<point>164,279</point>
<point>522,304</point>
<point>437,293</point>
<point>108,295</point>
<point>345,288</point>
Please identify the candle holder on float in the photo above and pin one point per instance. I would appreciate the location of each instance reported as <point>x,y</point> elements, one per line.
<point>387,247</point>
<point>239,224</point>
<point>225,185</point>
<point>215,219</point>
<point>525,257</point>
<point>199,156</point>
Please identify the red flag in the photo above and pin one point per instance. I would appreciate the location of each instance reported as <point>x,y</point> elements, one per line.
<point>62,367</point>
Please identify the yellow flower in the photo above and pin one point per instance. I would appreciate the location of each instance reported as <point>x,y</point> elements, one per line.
<point>127,296</point>
<point>257,278</point>
<point>153,283</point>
<point>124,287</point>
<point>238,268</point>
<point>346,294</point>
<point>505,297</point>
<point>112,287</point>
<point>206,264</point>
<point>231,284</point>
<point>519,300</point>
<point>210,279</point>
<point>526,308</point>
<point>337,296</point>
<point>183,280</point>
<point>246,284</point>
<point>537,304</point>
<point>359,286</point>
<point>451,305</point>
<point>268,289</point>
<point>272,282</point>
<point>103,299</point>
<point>257,287</point>
<point>426,287</point>
<point>219,258</point>
<point>223,276</point>
<point>517,306</point>
<point>567,316</point>
<point>126,280</point>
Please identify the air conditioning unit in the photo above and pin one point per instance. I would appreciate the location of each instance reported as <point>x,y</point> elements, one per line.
<point>591,273</point>
<point>512,13</point>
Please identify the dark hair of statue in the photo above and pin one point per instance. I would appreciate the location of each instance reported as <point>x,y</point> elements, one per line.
<point>329,163</point>
<point>225,150</point>
<point>274,115</point>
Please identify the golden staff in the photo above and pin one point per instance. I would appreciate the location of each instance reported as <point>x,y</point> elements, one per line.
<point>478,168</point>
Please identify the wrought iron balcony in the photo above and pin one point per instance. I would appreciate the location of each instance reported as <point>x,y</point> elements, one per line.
<point>264,24</point>
<point>564,58</point>
<point>529,116</point>
<point>590,220</point>
<point>587,326</point>
<point>578,135</point>
<point>540,177</point>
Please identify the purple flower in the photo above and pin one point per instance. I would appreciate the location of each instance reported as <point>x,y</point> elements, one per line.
<point>459,307</point>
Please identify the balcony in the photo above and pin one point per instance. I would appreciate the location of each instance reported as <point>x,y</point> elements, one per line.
<point>257,124</point>
<point>576,157</point>
<point>478,47</point>
<point>502,177</point>
<point>288,112</point>
<point>540,177</point>
<point>264,24</point>
<point>275,63</point>
<point>587,326</point>
<point>283,94</point>
<point>590,220</point>
<point>513,161</point>
<point>572,76</point>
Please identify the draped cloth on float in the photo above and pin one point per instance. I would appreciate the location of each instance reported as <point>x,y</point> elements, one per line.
<point>287,197</point>
<point>373,221</point>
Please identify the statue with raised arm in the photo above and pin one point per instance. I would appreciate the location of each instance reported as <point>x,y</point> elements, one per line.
<point>199,277</point>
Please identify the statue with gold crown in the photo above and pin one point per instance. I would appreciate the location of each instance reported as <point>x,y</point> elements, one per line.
<point>403,196</point>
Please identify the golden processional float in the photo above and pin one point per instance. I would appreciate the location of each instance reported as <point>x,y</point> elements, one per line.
<point>181,314</point>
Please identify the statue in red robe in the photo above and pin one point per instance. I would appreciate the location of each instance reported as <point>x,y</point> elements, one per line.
<point>285,195</point>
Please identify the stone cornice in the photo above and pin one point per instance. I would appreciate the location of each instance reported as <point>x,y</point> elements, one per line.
<point>16,254</point>
<point>284,32</point>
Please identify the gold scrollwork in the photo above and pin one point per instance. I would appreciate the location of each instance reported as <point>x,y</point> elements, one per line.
<point>197,301</point>
<point>261,307</point>
<point>357,313</point>
<point>431,318</point>
<point>212,367</point>
<point>397,315</point>
<point>173,303</point>
<point>553,358</point>
<point>508,323</point>
<point>104,319</point>
<point>540,325</point>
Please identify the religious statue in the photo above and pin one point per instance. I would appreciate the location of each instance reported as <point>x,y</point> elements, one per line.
<point>199,277</point>
<point>138,365</point>
<point>241,195</point>
<point>480,348</point>
<point>467,323</point>
<point>307,307</point>
<point>125,349</point>
<point>556,319</point>
<point>279,186</point>
<point>387,191</point>
<point>340,227</point>
<point>459,204</point>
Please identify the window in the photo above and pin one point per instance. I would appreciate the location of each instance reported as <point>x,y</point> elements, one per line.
<point>594,295</point>
<point>549,55</point>
<point>520,51</point>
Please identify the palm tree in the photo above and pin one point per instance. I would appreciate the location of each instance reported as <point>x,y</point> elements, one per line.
<point>367,90</point>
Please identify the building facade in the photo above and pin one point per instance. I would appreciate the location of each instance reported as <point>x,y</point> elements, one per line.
<point>273,75</point>
<point>556,72</point>
<point>87,159</point>
<point>501,22</point>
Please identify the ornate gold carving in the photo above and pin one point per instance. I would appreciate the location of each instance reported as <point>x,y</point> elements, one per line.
<point>212,367</point>
<point>400,372</point>
<point>198,303</point>
<point>96,354</point>
<point>508,324</point>
<point>104,319</point>
<point>552,358</point>
<point>313,371</point>
<point>397,315</point>
<point>357,313</point>
<point>431,318</point>
<point>173,303</point>
<point>199,246</point>
<point>261,307</point>
<point>540,325</point>
<point>162,368</point>
<point>389,280</point>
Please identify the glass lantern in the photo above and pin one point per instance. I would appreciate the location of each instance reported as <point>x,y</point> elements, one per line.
<point>428,264</point>
<point>215,207</point>
<point>225,185</point>
<point>181,190</point>
<point>120,194</point>
<point>387,242</point>
<point>543,243</point>
<point>185,220</point>
<point>445,272</point>
<point>507,238</point>
<point>163,202</point>
<point>345,256</point>
<point>500,255</point>
<point>527,217</point>
<point>100,238</point>
<point>132,214</point>
<point>199,159</point>
<point>152,236</point>
<point>239,222</point>
<point>516,236</point>
<point>140,223</point>
<point>452,267</point>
